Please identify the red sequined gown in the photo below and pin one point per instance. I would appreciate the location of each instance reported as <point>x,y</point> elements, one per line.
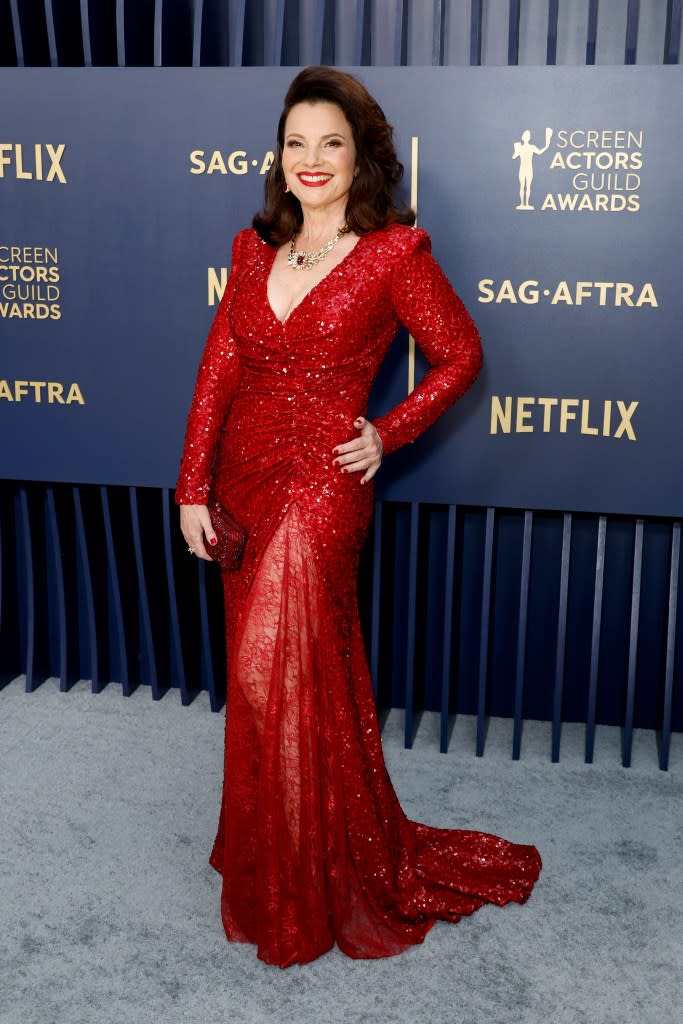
<point>312,845</point>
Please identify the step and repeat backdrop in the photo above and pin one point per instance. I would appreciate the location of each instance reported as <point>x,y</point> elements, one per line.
<point>553,199</point>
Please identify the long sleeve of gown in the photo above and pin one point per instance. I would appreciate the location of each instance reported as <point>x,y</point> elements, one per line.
<point>426,304</point>
<point>217,381</point>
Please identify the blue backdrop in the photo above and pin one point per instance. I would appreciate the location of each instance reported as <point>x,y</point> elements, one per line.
<point>121,191</point>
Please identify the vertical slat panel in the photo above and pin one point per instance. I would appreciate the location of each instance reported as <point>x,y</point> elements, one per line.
<point>592,31</point>
<point>85,34</point>
<point>3,545</point>
<point>420,31</point>
<point>532,32</point>
<point>387,20</point>
<point>631,46</point>
<point>320,8</point>
<point>236,16</point>
<point>447,659</point>
<point>16,30</point>
<point>598,590</point>
<point>311,17</point>
<point>513,33</point>
<point>525,573</point>
<point>118,654</point>
<point>627,745</point>
<point>177,659</point>
<point>665,740</point>
<point>273,31</point>
<point>457,30</point>
<point>208,674</point>
<point>56,592</point>
<point>476,19</point>
<point>412,624</point>
<point>610,43</point>
<point>674,27</point>
<point>487,575</point>
<point>561,636</point>
<point>85,589</point>
<point>27,592</point>
<point>348,22</point>
<point>120,33</point>
<point>51,36</point>
<point>495,32</point>
<point>553,14</point>
<point>158,32</point>
<point>651,32</point>
<point>438,33</point>
<point>146,652</point>
<point>376,598</point>
<point>197,22</point>
<point>572,23</point>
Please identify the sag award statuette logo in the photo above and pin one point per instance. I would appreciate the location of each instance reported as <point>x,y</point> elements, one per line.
<point>525,151</point>
<point>588,170</point>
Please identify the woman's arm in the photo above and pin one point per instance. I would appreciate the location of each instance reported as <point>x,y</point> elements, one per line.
<point>426,304</point>
<point>216,384</point>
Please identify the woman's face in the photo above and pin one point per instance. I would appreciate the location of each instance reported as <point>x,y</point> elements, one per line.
<point>319,155</point>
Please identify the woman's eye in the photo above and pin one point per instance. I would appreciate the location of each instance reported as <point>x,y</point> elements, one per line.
<point>293,142</point>
<point>334,142</point>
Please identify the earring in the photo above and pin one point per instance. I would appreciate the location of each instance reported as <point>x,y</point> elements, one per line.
<point>286,188</point>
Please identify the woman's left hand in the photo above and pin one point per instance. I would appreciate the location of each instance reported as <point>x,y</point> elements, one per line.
<point>363,453</point>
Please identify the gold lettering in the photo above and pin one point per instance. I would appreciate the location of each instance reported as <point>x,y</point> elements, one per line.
<point>75,395</point>
<point>623,293</point>
<point>547,404</point>
<point>585,414</point>
<point>501,417</point>
<point>524,414</point>
<point>19,161</point>
<point>216,163</point>
<point>55,157</point>
<point>562,294</point>
<point>625,427</point>
<point>607,418</point>
<point>197,163</point>
<point>647,296</point>
<point>566,413</point>
<point>217,283</point>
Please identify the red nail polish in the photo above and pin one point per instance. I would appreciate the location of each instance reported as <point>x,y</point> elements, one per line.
<point>214,540</point>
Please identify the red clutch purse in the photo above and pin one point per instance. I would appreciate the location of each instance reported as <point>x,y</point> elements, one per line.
<point>228,550</point>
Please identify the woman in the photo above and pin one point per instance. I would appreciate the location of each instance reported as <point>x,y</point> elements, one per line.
<point>312,844</point>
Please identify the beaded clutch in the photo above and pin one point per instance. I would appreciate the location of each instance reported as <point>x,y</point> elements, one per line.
<point>231,537</point>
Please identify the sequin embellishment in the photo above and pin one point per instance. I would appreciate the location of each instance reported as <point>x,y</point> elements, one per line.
<point>312,844</point>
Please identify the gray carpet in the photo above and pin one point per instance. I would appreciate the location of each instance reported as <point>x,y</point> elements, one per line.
<point>109,910</point>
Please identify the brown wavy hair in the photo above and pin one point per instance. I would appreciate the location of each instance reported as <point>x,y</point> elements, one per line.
<point>371,202</point>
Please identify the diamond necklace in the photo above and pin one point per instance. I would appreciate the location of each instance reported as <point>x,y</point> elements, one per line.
<point>300,260</point>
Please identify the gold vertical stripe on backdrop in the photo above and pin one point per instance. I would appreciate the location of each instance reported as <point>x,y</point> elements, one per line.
<point>414,152</point>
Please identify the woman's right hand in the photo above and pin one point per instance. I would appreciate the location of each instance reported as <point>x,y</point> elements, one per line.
<point>195,523</point>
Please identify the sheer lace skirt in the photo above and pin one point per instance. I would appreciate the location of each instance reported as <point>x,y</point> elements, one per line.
<point>312,844</point>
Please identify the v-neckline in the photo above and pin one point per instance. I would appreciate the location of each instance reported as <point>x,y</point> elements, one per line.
<point>310,291</point>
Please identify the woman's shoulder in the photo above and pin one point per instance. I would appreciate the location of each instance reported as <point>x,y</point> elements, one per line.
<point>401,239</point>
<point>246,239</point>
<point>247,245</point>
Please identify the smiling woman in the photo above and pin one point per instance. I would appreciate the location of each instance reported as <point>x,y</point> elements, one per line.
<point>312,844</point>
<point>319,165</point>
